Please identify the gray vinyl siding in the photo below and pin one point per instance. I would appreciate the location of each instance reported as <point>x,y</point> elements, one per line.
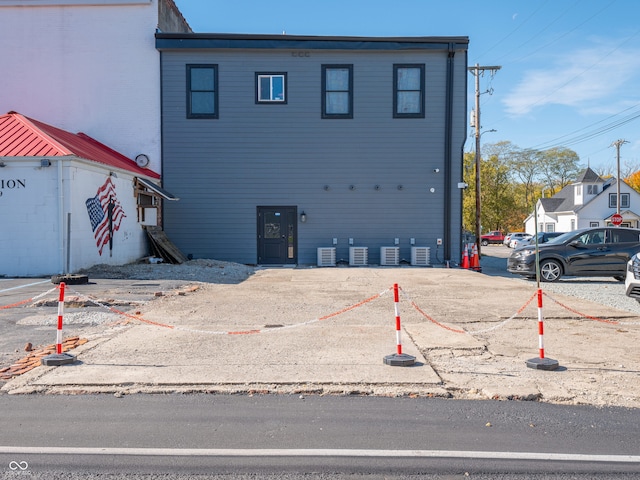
<point>260,155</point>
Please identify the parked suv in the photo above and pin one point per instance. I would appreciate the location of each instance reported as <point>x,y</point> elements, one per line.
<point>589,252</point>
<point>495,236</point>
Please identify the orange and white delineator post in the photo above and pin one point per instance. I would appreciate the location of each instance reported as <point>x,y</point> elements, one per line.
<point>541,363</point>
<point>59,358</point>
<point>398,359</point>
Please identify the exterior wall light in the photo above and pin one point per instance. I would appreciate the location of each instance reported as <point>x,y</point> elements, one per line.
<point>303,217</point>
<point>45,162</point>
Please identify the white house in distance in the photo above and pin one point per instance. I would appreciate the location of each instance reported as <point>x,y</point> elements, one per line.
<point>68,202</point>
<point>88,66</point>
<point>588,202</point>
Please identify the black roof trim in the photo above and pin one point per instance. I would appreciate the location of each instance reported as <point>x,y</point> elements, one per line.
<point>157,189</point>
<point>172,41</point>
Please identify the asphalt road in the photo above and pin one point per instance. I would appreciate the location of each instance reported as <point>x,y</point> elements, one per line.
<point>330,437</point>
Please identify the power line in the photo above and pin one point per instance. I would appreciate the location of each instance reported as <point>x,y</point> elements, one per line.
<point>568,140</point>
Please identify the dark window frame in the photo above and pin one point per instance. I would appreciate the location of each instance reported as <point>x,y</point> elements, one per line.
<point>210,66</point>
<point>349,114</point>
<point>421,67</point>
<point>285,88</point>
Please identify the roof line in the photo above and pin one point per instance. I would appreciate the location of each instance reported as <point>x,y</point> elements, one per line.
<point>251,36</point>
<point>38,131</point>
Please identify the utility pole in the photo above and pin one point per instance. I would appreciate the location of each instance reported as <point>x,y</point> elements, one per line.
<point>477,70</point>
<point>618,144</point>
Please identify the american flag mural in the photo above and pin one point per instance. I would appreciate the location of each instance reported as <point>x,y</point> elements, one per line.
<point>105,214</point>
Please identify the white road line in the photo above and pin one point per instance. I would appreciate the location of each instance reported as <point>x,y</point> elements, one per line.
<point>297,452</point>
<point>23,286</point>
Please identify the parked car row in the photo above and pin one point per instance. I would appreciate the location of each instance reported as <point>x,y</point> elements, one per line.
<point>512,240</point>
<point>543,237</point>
<point>515,239</point>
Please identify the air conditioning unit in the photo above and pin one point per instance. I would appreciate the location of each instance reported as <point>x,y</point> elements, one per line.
<point>358,256</point>
<point>420,256</point>
<point>327,257</point>
<point>389,256</point>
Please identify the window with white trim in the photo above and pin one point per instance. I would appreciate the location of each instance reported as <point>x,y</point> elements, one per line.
<point>592,189</point>
<point>271,88</point>
<point>624,200</point>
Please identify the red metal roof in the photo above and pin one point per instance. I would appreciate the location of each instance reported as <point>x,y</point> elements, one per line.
<point>21,136</point>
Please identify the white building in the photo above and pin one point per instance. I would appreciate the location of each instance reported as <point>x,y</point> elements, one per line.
<point>88,65</point>
<point>590,201</point>
<point>68,202</point>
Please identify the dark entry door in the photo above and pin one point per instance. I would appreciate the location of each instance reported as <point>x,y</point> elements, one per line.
<point>277,235</point>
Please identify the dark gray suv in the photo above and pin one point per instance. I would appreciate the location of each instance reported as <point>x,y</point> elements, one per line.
<point>589,252</point>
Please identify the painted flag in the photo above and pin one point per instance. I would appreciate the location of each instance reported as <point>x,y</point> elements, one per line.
<point>105,214</point>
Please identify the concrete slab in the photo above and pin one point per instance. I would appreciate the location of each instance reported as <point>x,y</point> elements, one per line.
<point>319,354</point>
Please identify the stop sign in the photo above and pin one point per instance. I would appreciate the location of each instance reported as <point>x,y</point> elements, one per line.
<point>616,219</point>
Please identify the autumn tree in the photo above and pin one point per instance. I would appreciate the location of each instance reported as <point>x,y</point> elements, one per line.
<point>511,181</point>
<point>558,166</point>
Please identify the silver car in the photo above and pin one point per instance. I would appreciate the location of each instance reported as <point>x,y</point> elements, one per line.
<point>632,280</point>
<point>543,237</point>
<point>516,238</point>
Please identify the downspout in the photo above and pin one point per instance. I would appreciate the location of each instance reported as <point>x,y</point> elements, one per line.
<point>61,223</point>
<point>448,140</point>
<point>160,209</point>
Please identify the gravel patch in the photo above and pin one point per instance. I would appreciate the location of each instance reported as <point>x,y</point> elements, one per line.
<point>603,290</point>
<point>200,270</point>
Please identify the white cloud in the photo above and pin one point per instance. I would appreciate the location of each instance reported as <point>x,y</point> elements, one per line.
<point>588,79</point>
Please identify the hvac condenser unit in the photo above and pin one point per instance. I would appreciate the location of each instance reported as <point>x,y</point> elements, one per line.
<point>420,256</point>
<point>358,256</point>
<point>389,256</point>
<point>327,257</point>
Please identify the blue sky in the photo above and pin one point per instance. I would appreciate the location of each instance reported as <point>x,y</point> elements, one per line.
<point>570,71</point>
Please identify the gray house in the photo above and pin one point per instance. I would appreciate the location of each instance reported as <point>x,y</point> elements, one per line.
<point>314,150</point>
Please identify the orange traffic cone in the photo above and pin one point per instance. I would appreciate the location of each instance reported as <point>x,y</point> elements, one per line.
<point>465,257</point>
<point>475,259</point>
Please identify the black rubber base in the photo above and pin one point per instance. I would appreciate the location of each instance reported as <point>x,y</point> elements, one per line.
<point>399,360</point>
<point>543,363</point>
<point>57,359</point>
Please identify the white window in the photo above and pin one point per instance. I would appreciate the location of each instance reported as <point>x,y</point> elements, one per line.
<point>271,88</point>
<point>592,189</point>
